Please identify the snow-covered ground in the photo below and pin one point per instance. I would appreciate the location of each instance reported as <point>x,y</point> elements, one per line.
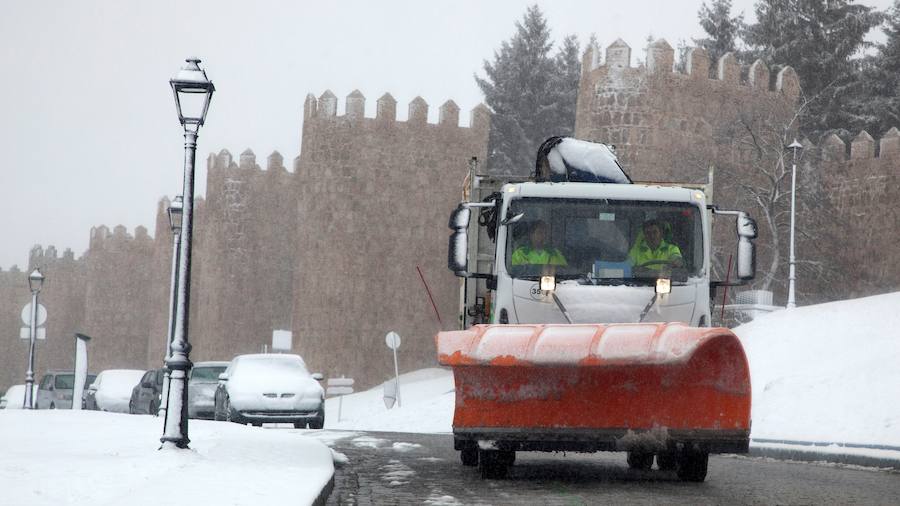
<point>64,457</point>
<point>825,373</point>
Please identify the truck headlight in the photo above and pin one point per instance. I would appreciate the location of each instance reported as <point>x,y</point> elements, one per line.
<point>548,283</point>
<point>663,286</point>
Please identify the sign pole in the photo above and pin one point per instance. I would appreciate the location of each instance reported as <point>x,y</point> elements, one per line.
<point>397,376</point>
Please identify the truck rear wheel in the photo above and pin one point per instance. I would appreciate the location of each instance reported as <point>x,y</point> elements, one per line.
<point>639,460</point>
<point>691,465</point>
<point>666,461</point>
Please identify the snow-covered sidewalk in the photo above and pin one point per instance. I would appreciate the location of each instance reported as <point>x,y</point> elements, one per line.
<point>65,457</point>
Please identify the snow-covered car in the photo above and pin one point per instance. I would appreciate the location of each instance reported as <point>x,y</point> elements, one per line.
<point>270,388</point>
<point>202,388</point>
<point>14,398</point>
<point>112,388</point>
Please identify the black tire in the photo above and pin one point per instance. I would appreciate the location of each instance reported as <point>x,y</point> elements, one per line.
<point>131,408</point>
<point>230,414</point>
<point>52,406</point>
<point>640,460</point>
<point>666,461</point>
<point>319,421</point>
<point>469,456</point>
<point>299,425</point>
<point>508,457</point>
<point>154,408</point>
<point>492,464</point>
<point>691,465</point>
<point>256,424</point>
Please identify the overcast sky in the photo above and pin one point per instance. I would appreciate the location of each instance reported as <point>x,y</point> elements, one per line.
<point>88,129</point>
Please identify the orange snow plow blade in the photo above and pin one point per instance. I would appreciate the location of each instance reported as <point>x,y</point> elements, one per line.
<point>599,387</point>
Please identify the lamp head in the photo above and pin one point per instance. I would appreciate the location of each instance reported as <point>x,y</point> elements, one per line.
<point>35,281</point>
<point>176,211</point>
<point>193,92</point>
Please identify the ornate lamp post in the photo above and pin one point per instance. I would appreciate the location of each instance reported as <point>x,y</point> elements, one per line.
<point>175,214</point>
<point>35,282</point>
<point>193,92</point>
<point>792,303</point>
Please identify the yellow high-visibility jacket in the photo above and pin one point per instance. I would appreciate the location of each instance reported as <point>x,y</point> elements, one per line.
<point>641,253</point>
<point>524,255</point>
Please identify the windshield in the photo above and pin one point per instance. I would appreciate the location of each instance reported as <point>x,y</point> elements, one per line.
<point>269,366</point>
<point>603,241</point>
<point>206,373</point>
<point>64,381</point>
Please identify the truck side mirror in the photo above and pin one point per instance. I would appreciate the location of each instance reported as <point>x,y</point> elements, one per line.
<point>458,247</point>
<point>746,254</point>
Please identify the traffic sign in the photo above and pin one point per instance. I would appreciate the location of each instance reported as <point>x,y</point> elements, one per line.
<point>41,314</point>
<point>340,382</point>
<point>338,390</point>
<point>392,339</point>
<point>25,333</point>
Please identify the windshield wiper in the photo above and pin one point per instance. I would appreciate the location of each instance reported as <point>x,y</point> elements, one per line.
<point>562,308</point>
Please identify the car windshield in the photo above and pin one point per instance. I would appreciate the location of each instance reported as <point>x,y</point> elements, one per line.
<point>603,241</point>
<point>64,381</point>
<point>207,373</point>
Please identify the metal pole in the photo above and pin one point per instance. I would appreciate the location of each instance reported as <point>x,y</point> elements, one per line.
<point>29,374</point>
<point>397,376</point>
<point>178,361</point>
<point>173,299</point>
<point>792,303</point>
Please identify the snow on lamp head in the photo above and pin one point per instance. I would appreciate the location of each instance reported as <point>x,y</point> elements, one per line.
<point>193,92</point>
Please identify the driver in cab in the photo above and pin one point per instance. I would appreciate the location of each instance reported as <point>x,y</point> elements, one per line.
<point>538,252</point>
<point>652,252</point>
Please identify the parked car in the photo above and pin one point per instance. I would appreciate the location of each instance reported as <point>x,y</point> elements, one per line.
<point>55,390</point>
<point>14,398</point>
<point>145,396</point>
<point>112,389</point>
<point>202,388</point>
<point>273,388</point>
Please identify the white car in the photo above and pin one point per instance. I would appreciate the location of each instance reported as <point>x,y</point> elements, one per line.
<point>270,388</point>
<point>112,388</point>
<point>14,398</point>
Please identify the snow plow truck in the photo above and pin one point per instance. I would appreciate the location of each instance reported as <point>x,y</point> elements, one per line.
<point>585,318</point>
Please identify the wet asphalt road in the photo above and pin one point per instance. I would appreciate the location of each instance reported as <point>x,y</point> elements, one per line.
<point>404,468</point>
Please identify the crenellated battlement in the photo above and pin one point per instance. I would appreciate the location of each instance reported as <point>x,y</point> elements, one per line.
<point>863,147</point>
<point>660,60</point>
<point>326,107</point>
<point>224,161</point>
<point>102,237</point>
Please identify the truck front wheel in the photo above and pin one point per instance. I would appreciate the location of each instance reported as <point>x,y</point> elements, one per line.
<point>493,464</point>
<point>469,456</point>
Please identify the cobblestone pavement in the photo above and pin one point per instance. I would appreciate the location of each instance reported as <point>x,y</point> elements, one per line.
<point>404,468</point>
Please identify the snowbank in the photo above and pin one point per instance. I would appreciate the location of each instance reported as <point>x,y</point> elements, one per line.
<point>426,398</point>
<point>94,458</point>
<point>827,372</point>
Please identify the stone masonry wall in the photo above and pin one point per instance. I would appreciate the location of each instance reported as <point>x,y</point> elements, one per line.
<point>375,195</point>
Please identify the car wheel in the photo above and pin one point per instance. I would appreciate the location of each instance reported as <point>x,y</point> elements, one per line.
<point>691,465</point>
<point>319,421</point>
<point>154,408</point>
<point>131,410</point>
<point>640,461</point>
<point>299,425</point>
<point>230,414</point>
<point>52,406</point>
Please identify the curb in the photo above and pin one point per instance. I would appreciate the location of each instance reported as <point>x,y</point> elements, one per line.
<point>325,493</point>
<point>796,451</point>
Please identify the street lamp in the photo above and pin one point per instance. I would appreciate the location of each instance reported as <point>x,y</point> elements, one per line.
<point>175,213</point>
<point>193,91</point>
<point>35,282</point>
<point>792,303</point>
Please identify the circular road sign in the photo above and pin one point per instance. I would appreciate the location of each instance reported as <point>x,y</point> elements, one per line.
<point>392,339</point>
<point>41,314</point>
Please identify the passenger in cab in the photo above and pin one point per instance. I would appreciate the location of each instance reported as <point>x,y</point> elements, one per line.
<point>538,252</point>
